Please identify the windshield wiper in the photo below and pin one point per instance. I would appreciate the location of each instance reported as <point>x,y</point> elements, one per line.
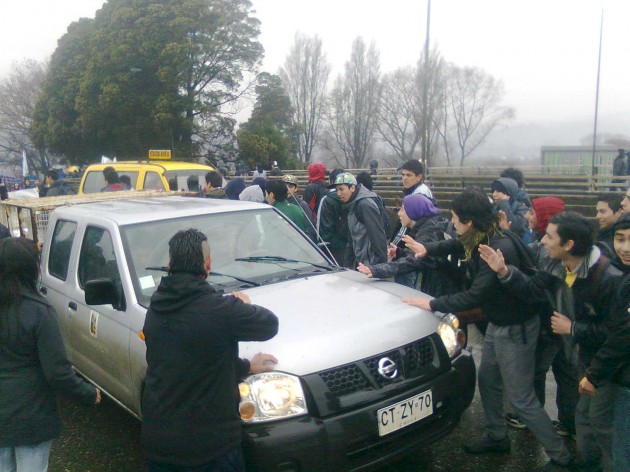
<point>275,259</point>
<point>250,282</point>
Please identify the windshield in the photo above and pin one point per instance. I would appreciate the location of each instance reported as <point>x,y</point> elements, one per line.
<point>181,175</point>
<point>248,248</point>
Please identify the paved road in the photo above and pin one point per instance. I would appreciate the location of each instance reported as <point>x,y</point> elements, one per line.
<point>106,439</point>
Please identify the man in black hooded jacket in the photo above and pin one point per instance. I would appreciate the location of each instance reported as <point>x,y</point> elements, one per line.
<point>190,401</point>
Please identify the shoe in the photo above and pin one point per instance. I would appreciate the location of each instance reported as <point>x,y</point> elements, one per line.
<point>552,466</point>
<point>514,421</point>
<point>486,444</point>
<point>562,430</point>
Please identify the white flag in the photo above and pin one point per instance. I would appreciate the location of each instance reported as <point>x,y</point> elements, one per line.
<point>24,164</point>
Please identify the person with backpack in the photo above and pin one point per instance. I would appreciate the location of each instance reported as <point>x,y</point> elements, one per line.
<point>366,222</point>
<point>509,346</point>
<point>433,275</point>
<point>316,188</point>
<point>549,352</point>
<point>578,285</point>
<point>611,363</point>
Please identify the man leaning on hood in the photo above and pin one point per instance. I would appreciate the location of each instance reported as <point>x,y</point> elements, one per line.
<point>190,402</point>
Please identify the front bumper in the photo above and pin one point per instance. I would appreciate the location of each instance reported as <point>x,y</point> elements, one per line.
<point>350,441</point>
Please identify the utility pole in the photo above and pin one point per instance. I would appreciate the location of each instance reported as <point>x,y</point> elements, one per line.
<point>599,63</point>
<point>425,94</point>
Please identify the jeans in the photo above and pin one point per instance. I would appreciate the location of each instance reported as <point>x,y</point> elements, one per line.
<point>231,461</point>
<point>25,458</point>
<point>621,431</point>
<point>550,353</point>
<point>507,363</point>
<point>593,425</point>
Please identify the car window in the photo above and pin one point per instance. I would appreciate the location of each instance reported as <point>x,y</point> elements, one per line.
<point>237,242</point>
<point>95,182</point>
<point>97,259</point>
<point>181,176</point>
<point>60,247</point>
<point>153,181</point>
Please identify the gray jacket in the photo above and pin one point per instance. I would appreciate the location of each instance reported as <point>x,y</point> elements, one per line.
<point>368,241</point>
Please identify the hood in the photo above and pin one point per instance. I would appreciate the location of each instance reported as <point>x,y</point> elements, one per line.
<point>177,290</point>
<point>437,223</point>
<point>362,192</point>
<point>253,193</point>
<point>545,209</point>
<point>234,188</point>
<point>217,193</point>
<point>316,172</point>
<point>359,317</point>
<point>507,186</point>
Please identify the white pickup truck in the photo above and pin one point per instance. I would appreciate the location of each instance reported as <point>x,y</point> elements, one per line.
<point>368,378</point>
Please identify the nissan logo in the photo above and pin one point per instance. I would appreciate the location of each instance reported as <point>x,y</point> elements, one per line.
<point>387,368</point>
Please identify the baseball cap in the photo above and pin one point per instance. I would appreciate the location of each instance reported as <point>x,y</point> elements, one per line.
<point>290,179</point>
<point>345,178</point>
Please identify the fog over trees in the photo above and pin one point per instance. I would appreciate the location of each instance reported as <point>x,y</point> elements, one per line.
<point>170,75</point>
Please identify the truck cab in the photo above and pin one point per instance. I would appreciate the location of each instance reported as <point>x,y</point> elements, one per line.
<point>359,371</point>
<point>145,175</point>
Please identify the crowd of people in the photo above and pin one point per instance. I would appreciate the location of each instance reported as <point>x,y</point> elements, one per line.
<point>545,288</point>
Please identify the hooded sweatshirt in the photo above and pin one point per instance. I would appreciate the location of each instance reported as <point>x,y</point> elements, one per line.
<point>545,209</point>
<point>316,188</point>
<point>514,209</point>
<point>368,239</point>
<point>190,401</point>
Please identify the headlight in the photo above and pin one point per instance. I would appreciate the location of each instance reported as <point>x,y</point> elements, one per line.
<point>452,337</point>
<point>271,396</point>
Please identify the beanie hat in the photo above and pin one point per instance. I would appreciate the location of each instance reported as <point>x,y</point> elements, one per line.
<point>545,209</point>
<point>418,206</point>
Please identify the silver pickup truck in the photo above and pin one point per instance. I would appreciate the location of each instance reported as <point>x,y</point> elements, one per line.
<point>361,379</point>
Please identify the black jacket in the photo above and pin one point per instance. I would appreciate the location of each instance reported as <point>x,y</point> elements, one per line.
<point>439,276</point>
<point>593,297</point>
<point>190,401</point>
<point>33,367</point>
<point>612,360</point>
<point>485,291</point>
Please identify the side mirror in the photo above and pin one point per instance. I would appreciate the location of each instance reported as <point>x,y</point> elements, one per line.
<point>104,292</point>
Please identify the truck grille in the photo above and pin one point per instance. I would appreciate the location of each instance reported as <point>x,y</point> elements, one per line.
<point>364,376</point>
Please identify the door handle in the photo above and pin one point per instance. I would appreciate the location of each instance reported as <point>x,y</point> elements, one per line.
<point>72,305</point>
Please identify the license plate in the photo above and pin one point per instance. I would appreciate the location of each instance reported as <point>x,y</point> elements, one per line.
<point>395,417</point>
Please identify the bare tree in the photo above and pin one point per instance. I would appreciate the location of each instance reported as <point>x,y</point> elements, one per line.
<point>18,95</point>
<point>402,107</point>
<point>431,80</point>
<point>305,76</point>
<point>400,117</point>
<point>472,109</point>
<point>354,104</point>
